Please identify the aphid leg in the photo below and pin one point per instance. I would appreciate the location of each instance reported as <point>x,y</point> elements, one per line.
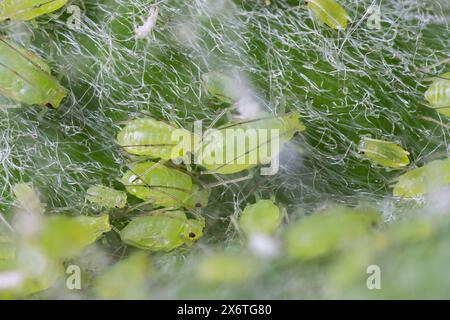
<point>225,182</point>
<point>218,117</point>
<point>115,229</point>
<point>157,164</point>
<point>235,225</point>
<point>433,120</point>
<point>158,211</point>
<point>139,205</point>
<point>42,113</point>
<point>284,214</point>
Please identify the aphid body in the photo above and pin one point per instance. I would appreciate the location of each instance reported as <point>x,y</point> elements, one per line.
<point>329,12</point>
<point>165,187</point>
<point>418,182</point>
<point>26,78</point>
<point>438,94</point>
<point>27,9</point>
<point>152,138</point>
<point>163,232</point>
<point>262,217</point>
<point>385,153</point>
<point>244,145</point>
<point>106,197</point>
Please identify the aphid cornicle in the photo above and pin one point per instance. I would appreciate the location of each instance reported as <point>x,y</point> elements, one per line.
<point>152,138</point>
<point>106,197</point>
<point>163,232</point>
<point>26,78</point>
<point>244,145</point>
<point>424,180</point>
<point>163,186</point>
<point>438,94</point>
<point>262,217</point>
<point>385,153</point>
<point>329,12</point>
<point>28,9</point>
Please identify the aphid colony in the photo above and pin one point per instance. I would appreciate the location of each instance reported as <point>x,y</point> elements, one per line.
<point>177,193</point>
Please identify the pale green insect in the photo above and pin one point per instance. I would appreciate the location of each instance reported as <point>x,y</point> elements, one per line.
<point>329,12</point>
<point>106,197</point>
<point>27,9</point>
<point>432,177</point>
<point>385,153</point>
<point>262,217</point>
<point>26,78</point>
<point>244,145</point>
<point>28,198</point>
<point>63,237</point>
<point>165,187</point>
<point>154,139</point>
<point>125,279</point>
<point>226,269</point>
<point>326,232</point>
<point>221,86</point>
<point>438,94</point>
<point>163,232</point>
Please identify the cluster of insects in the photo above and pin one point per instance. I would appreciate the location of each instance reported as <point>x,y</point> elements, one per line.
<point>175,191</point>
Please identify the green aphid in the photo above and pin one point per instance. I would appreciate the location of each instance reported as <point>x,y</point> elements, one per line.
<point>431,177</point>
<point>163,232</point>
<point>106,197</point>
<point>329,12</point>
<point>7,255</point>
<point>23,10</point>
<point>155,139</point>
<point>225,269</point>
<point>352,265</point>
<point>28,198</point>
<point>63,237</point>
<point>125,279</point>
<point>221,86</point>
<point>384,153</point>
<point>163,186</point>
<point>32,283</point>
<point>324,233</point>
<point>438,94</point>
<point>262,217</point>
<point>26,78</point>
<point>247,144</point>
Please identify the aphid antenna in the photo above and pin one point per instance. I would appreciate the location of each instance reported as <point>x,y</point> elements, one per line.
<point>225,182</point>
<point>249,121</point>
<point>438,108</point>
<point>235,225</point>
<point>422,117</point>
<point>158,211</point>
<point>426,70</point>
<point>432,76</point>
